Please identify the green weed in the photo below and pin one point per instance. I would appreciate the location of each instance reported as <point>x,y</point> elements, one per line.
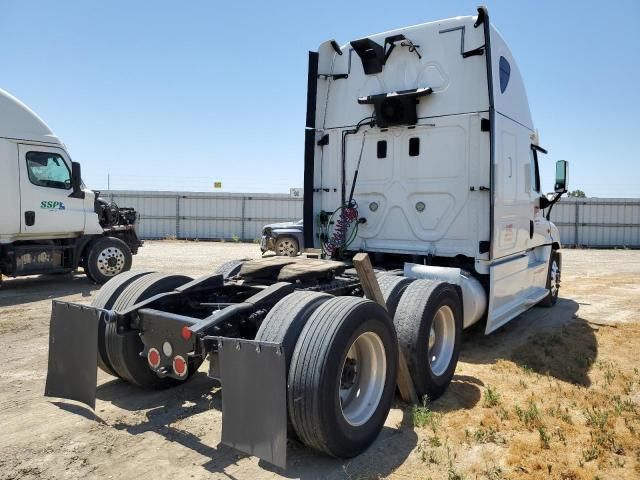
<point>424,417</point>
<point>491,397</point>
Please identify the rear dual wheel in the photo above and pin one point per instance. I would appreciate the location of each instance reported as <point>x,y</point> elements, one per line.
<point>341,356</point>
<point>342,376</point>
<point>105,299</point>
<point>342,370</point>
<point>287,318</point>
<point>428,322</point>
<point>119,355</point>
<point>392,288</point>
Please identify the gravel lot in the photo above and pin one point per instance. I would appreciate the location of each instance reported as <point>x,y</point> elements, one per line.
<point>554,394</point>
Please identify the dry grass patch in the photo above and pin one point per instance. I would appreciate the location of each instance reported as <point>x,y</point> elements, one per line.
<point>557,408</point>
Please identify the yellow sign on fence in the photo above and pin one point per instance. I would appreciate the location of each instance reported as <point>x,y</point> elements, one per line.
<point>217,184</point>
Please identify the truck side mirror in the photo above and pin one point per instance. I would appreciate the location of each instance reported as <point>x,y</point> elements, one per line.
<point>76,181</point>
<point>544,202</point>
<point>562,170</point>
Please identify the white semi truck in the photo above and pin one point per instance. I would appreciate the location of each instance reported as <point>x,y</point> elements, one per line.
<point>49,221</point>
<point>420,151</point>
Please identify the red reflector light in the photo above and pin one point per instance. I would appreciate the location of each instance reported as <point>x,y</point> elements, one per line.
<point>179,366</point>
<point>153,357</point>
<point>186,333</point>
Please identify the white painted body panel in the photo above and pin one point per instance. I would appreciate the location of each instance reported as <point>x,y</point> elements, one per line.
<point>454,153</point>
<point>520,246</point>
<point>67,219</point>
<point>9,191</point>
<point>516,285</point>
<point>449,225</point>
<point>460,85</point>
<point>19,122</point>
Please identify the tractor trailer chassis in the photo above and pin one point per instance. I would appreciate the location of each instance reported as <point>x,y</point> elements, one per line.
<point>253,372</point>
<point>262,324</point>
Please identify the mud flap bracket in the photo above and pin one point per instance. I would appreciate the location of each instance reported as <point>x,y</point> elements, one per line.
<point>73,352</point>
<point>254,399</point>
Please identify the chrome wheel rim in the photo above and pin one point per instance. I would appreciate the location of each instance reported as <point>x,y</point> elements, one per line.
<point>554,276</point>
<point>362,378</point>
<point>441,340</point>
<point>287,247</point>
<point>111,261</point>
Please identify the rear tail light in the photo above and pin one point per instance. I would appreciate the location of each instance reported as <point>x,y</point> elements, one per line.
<point>179,366</point>
<point>153,357</point>
<point>186,333</point>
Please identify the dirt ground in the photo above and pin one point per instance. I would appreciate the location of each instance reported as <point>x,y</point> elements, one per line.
<point>554,394</point>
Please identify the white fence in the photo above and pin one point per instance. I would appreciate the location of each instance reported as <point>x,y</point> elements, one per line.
<point>590,222</point>
<point>598,222</point>
<point>214,216</point>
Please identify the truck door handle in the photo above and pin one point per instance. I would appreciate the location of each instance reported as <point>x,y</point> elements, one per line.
<point>530,228</point>
<point>29,218</point>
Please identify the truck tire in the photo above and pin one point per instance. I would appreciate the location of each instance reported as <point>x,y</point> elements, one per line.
<point>287,318</point>
<point>105,258</point>
<point>105,298</point>
<point>123,351</point>
<point>392,287</point>
<point>231,268</point>
<point>287,246</point>
<point>553,280</point>
<point>342,376</point>
<point>285,321</point>
<point>428,323</point>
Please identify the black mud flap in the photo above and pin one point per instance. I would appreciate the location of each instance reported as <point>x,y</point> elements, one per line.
<point>254,398</point>
<point>73,352</point>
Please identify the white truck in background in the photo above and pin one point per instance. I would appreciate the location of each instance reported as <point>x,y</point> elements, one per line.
<point>49,221</point>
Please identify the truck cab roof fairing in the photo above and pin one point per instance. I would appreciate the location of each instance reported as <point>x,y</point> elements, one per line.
<point>17,121</point>
<point>512,102</point>
<point>459,84</point>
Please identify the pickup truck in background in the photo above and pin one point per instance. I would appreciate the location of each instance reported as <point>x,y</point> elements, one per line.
<point>285,238</point>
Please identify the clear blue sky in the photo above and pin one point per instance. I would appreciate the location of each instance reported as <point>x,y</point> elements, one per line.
<point>176,95</point>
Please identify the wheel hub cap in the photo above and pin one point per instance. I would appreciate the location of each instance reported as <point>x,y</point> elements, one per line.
<point>286,248</point>
<point>441,340</point>
<point>111,261</point>
<point>362,378</point>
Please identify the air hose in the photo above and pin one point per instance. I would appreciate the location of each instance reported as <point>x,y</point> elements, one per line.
<point>347,216</point>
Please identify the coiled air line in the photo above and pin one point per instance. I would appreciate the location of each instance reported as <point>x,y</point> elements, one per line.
<point>347,214</point>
